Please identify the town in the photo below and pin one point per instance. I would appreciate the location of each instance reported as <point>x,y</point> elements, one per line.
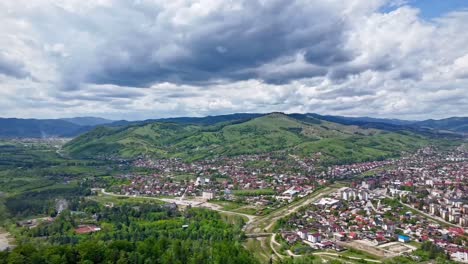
<point>383,208</point>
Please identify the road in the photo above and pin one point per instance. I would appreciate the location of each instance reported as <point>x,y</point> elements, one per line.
<point>370,204</point>
<point>433,217</point>
<point>436,218</point>
<point>5,240</point>
<point>267,222</point>
<point>272,240</point>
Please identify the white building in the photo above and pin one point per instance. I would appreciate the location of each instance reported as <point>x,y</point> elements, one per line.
<point>348,194</point>
<point>201,181</point>
<point>302,234</point>
<point>460,256</point>
<point>290,193</point>
<point>208,195</point>
<point>363,196</point>
<point>326,201</point>
<point>314,238</point>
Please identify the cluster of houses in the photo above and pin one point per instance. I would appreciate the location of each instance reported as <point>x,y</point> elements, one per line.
<point>362,214</point>
<point>441,179</point>
<point>429,181</point>
<point>349,170</point>
<point>287,176</point>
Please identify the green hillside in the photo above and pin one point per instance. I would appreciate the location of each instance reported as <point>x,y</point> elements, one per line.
<point>267,133</point>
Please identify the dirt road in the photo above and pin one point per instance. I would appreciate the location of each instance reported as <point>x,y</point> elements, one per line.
<point>5,240</point>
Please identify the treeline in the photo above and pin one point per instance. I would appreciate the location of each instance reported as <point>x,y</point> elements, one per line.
<point>42,201</point>
<point>133,233</point>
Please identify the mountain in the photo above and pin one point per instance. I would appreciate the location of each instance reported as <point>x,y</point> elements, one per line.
<point>210,120</point>
<point>455,124</point>
<point>361,120</point>
<point>443,127</point>
<point>72,127</point>
<point>207,120</point>
<point>300,134</point>
<point>88,121</point>
<point>35,128</point>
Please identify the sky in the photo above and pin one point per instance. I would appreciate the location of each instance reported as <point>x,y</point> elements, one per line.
<point>141,59</point>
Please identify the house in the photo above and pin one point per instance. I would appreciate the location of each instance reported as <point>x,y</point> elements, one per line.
<point>290,193</point>
<point>87,229</point>
<point>353,235</point>
<point>201,181</point>
<point>339,237</point>
<point>403,239</point>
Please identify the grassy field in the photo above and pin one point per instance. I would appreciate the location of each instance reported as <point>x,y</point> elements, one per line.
<point>118,200</point>
<point>228,205</point>
<point>357,254</point>
<point>260,248</point>
<point>255,192</point>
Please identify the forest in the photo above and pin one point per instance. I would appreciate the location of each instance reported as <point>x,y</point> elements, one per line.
<point>131,233</point>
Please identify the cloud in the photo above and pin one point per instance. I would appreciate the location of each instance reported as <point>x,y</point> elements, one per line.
<point>11,67</point>
<point>183,44</point>
<point>154,58</point>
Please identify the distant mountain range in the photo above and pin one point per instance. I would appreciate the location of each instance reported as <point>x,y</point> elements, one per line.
<point>88,121</point>
<point>46,128</point>
<point>72,127</point>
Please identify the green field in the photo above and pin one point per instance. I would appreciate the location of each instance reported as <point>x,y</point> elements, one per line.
<point>256,192</point>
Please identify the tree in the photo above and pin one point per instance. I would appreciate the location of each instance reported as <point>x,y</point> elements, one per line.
<point>16,258</point>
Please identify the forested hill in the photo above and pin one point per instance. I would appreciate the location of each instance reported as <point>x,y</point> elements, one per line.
<point>268,133</point>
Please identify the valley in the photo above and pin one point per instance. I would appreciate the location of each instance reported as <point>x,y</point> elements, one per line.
<point>255,178</point>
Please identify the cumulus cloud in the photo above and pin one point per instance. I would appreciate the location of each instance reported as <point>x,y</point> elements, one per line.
<point>154,58</point>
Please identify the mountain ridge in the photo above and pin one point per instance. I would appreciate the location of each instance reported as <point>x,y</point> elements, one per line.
<point>267,133</point>
<point>38,128</point>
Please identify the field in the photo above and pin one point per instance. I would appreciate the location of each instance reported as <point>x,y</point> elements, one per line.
<point>254,192</point>
<point>398,248</point>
